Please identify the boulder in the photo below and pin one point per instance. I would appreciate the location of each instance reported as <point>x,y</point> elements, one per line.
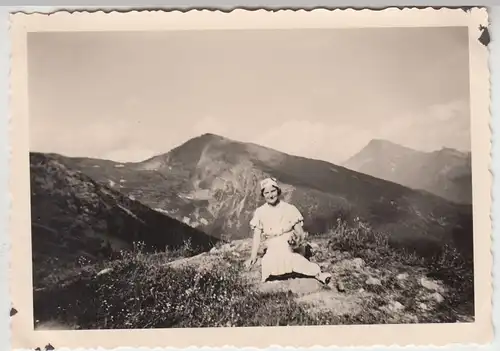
<point>373,281</point>
<point>402,276</point>
<point>298,286</point>
<point>437,297</point>
<point>431,285</point>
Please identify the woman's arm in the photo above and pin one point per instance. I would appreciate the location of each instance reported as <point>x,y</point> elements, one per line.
<point>256,243</point>
<point>299,232</point>
<point>296,221</point>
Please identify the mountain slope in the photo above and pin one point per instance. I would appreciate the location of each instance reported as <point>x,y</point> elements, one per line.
<point>74,217</point>
<point>211,183</point>
<point>446,172</point>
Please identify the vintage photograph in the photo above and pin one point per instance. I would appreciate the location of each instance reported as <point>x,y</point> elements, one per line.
<point>251,177</point>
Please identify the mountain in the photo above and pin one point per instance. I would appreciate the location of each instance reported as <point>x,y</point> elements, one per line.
<point>211,183</point>
<point>74,217</point>
<point>446,172</point>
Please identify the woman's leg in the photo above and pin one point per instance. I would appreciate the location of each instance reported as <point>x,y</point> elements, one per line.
<point>279,259</point>
<point>265,269</point>
<point>303,266</point>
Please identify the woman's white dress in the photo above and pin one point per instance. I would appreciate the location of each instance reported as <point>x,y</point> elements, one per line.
<point>276,224</point>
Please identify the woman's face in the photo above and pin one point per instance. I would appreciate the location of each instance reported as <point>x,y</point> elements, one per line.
<point>271,195</point>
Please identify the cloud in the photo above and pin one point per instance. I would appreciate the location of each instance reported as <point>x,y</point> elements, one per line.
<point>90,139</point>
<point>437,126</point>
<point>131,153</point>
<point>450,111</point>
<point>315,139</point>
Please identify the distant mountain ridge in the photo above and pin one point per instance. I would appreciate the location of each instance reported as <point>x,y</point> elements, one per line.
<point>446,172</point>
<point>211,182</point>
<point>73,216</point>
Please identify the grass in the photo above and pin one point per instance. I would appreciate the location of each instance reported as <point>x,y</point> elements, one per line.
<point>136,293</point>
<point>454,269</point>
<point>140,291</point>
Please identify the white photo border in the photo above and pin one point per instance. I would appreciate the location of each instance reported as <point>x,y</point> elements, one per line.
<point>23,333</point>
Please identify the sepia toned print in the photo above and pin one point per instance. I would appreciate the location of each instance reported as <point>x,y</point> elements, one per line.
<point>180,179</point>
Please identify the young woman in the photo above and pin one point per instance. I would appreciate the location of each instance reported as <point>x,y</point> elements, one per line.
<point>280,224</point>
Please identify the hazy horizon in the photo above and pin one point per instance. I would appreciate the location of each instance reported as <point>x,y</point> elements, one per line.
<point>224,136</point>
<point>321,94</point>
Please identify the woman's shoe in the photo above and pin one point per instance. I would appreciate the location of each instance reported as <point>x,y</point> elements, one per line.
<point>324,278</point>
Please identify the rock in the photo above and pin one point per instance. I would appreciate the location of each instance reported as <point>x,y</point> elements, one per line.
<point>373,281</point>
<point>298,286</point>
<point>393,307</point>
<point>409,319</point>
<point>396,306</point>
<point>105,271</point>
<point>358,262</point>
<point>437,297</point>
<point>423,306</point>
<point>431,285</point>
<point>340,286</point>
<point>332,303</point>
<point>402,276</point>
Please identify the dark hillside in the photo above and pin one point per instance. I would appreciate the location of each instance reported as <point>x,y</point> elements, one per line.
<point>75,218</point>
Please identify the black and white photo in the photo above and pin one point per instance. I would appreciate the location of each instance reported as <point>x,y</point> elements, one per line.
<point>254,176</point>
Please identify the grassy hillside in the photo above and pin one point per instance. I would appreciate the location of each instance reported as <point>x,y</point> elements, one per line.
<point>77,220</point>
<point>373,283</point>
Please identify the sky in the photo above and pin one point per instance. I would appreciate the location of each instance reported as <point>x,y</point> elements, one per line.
<point>322,93</point>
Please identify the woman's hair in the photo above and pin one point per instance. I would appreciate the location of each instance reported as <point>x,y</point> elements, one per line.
<point>275,187</point>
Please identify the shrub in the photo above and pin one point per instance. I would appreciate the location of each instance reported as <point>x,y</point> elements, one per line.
<point>448,264</point>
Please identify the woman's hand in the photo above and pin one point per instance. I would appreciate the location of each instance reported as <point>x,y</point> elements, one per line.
<point>298,235</point>
<point>293,240</point>
<point>255,248</point>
